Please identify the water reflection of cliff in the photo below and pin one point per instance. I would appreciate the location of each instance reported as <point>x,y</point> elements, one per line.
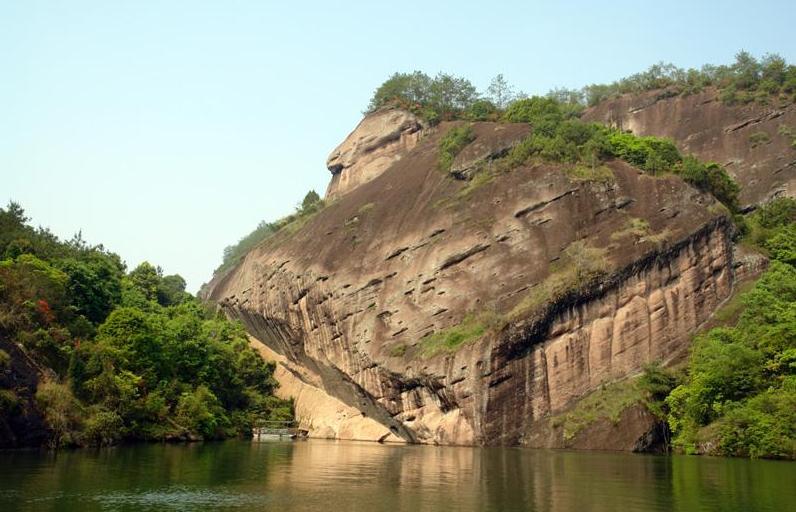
<point>418,478</point>
<point>341,476</point>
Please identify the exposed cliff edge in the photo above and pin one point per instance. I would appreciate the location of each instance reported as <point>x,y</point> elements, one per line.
<point>749,140</point>
<point>354,297</point>
<point>376,143</point>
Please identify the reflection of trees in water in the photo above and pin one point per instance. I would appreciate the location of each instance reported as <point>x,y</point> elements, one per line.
<point>142,466</point>
<point>569,481</point>
<point>331,476</point>
<point>708,483</point>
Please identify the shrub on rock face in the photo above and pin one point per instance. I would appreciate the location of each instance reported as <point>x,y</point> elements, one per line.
<point>544,114</point>
<point>311,204</point>
<point>310,200</point>
<point>779,212</point>
<point>712,178</point>
<point>759,138</point>
<point>61,411</point>
<point>452,143</point>
<point>652,154</point>
<point>482,110</point>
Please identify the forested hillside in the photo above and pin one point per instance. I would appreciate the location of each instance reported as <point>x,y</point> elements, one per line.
<point>93,354</point>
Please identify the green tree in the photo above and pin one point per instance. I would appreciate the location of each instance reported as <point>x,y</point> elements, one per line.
<point>746,70</point>
<point>171,290</point>
<point>310,200</point>
<point>146,278</point>
<point>94,286</point>
<point>482,110</point>
<point>783,245</point>
<point>500,92</point>
<point>199,411</point>
<point>124,354</point>
<point>544,114</point>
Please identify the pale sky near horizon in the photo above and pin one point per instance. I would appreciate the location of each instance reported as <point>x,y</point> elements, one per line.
<point>166,130</point>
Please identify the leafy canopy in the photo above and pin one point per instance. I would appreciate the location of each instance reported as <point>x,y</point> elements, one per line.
<point>131,355</point>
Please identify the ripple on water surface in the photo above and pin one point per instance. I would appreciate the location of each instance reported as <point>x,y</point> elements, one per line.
<point>180,498</point>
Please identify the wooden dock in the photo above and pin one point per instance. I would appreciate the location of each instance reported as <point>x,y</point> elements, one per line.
<point>276,430</point>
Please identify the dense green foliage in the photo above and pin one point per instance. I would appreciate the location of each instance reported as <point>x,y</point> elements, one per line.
<point>443,97</point>
<point>452,143</point>
<point>559,136</point>
<point>747,79</point>
<point>127,355</point>
<point>447,97</point>
<point>545,114</point>
<point>311,204</point>
<point>740,393</point>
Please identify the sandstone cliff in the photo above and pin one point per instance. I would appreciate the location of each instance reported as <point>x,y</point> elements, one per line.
<point>380,140</point>
<point>753,141</point>
<point>351,301</point>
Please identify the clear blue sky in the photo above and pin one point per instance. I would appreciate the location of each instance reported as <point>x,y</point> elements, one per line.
<point>167,130</point>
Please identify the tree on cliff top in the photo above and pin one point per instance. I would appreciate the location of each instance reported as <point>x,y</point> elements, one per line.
<point>500,92</point>
<point>443,97</point>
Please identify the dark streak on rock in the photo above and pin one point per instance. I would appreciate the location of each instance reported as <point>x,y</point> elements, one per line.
<point>460,257</point>
<point>396,253</point>
<point>542,204</point>
<point>302,293</point>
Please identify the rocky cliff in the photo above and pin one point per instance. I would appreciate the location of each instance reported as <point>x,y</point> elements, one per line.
<point>380,140</point>
<point>463,312</point>
<point>753,141</point>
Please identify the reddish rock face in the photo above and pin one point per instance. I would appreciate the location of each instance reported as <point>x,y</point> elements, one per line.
<point>380,140</point>
<point>350,299</point>
<point>702,125</point>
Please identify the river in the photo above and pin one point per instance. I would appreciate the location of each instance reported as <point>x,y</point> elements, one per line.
<point>331,476</point>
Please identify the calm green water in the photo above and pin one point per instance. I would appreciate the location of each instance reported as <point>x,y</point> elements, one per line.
<point>343,476</point>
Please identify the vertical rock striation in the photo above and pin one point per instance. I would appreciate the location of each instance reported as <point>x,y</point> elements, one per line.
<point>349,302</point>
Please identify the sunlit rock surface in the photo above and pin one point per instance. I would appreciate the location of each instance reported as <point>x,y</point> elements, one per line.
<point>348,301</point>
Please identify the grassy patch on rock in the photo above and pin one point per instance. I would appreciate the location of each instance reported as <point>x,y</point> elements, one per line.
<point>759,138</point>
<point>398,350</point>
<point>580,265</point>
<point>479,180</point>
<point>607,402</point>
<point>472,328</point>
<point>596,174</point>
<point>634,227</point>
